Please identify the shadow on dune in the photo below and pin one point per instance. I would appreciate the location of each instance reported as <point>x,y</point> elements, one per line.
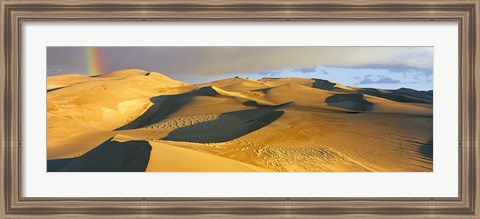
<point>404,95</point>
<point>54,89</point>
<point>110,156</point>
<point>264,90</point>
<point>322,84</point>
<point>427,149</point>
<point>165,105</point>
<point>354,102</point>
<point>255,104</point>
<point>227,126</point>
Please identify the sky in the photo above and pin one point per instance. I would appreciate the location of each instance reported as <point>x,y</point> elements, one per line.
<point>376,67</point>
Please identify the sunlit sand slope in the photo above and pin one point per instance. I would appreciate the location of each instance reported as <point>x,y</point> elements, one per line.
<point>233,125</point>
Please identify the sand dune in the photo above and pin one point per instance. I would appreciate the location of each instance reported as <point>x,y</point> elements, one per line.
<point>355,102</point>
<point>166,157</point>
<point>312,82</point>
<point>230,125</point>
<point>131,156</point>
<point>59,81</point>
<point>96,107</point>
<point>221,128</point>
<point>401,95</point>
<point>236,84</point>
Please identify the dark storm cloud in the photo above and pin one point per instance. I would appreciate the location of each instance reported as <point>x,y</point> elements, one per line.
<point>215,61</point>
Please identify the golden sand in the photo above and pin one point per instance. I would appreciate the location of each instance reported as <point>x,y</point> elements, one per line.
<point>288,124</point>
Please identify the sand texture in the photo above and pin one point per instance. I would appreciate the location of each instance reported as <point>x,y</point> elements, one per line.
<point>134,120</point>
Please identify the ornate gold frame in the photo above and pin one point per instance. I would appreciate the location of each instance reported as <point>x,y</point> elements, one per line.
<point>13,13</point>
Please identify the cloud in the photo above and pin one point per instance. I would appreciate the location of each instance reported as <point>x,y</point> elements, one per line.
<point>429,78</point>
<point>55,70</point>
<point>306,69</point>
<point>268,72</point>
<point>322,71</point>
<point>252,59</point>
<point>366,81</point>
<point>386,80</point>
<point>377,79</point>
<point>215,61</point>
<point>428,72</point>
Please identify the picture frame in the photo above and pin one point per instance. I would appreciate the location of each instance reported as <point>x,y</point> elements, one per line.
<point>15,13</point>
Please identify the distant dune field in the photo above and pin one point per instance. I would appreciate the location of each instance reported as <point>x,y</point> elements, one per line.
<point>134,120</point>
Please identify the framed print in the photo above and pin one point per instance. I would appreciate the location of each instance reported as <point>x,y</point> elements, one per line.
<point>214,121</point>
<point>261,109</point>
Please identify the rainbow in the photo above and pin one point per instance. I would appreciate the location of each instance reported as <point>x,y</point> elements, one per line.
<point>94,61</point>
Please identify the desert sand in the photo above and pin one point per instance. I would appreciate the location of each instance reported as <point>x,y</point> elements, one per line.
<point>134,120</point>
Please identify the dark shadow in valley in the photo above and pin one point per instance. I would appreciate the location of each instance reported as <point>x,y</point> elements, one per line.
<point>110,156</point>
<point>355,102</point>
<point>427,149</point>
<point>227,126</point>
<point>165,105</point>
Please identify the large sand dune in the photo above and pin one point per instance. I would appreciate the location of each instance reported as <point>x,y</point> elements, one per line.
<point>133,120</point>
